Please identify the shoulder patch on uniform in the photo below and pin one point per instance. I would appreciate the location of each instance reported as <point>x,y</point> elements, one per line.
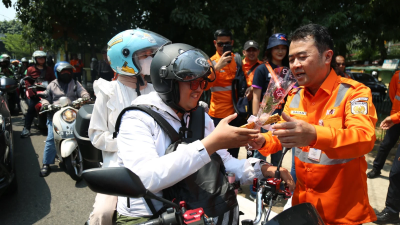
<point>359,108</point>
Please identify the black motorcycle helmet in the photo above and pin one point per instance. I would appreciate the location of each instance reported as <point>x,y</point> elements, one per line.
<point>178,62</point>
<point>4,62</point>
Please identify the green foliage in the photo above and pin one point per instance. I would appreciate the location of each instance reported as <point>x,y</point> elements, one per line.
<point>94,22</point>
<point>11,27</point>
<point>16,44</point>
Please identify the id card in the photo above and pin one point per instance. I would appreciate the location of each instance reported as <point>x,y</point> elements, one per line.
<point>314,154</point>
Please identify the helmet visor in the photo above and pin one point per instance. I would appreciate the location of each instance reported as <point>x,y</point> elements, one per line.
<point>191,65</point>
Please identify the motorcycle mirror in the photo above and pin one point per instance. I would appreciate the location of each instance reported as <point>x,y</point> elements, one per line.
<point>63,101</point>
<point>7,84</point>
<point>119,181</point>
<point>302,214</point>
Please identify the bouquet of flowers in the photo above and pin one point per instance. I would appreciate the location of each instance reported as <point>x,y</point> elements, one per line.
<point>282,81</point>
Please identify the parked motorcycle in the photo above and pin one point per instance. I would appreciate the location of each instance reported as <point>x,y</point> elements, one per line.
<point>67,148</point>
<point>120,181</point>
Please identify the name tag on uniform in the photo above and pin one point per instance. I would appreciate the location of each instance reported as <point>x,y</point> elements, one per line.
<point>314,154</point>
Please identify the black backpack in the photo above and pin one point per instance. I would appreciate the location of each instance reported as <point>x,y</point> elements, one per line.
<point>208,187</point>
<point>243,107</point>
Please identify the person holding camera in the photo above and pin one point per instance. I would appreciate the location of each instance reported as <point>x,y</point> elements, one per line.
<point>225,66</point>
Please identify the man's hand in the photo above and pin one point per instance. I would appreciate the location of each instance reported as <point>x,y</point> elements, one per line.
<point>226,136</point>
<point>269,171</point>
<point>387,123</point>
<point>225,59</point>
<point>294,133</point>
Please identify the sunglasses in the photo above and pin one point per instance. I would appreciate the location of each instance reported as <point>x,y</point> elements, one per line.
<point>221,44</point>
<point>340,64</point>
<point>194,84</point>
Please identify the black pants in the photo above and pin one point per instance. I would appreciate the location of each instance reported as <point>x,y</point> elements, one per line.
<point>390,139</point>
<point>78,76</point>
<point>393,195</point>
<point>236,123</point>
<point>31,112</point>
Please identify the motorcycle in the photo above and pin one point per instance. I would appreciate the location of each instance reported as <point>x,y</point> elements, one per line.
<point>121,181</point>
<point>68,151</point>
<point>40,89</point>
<point>93,156</point>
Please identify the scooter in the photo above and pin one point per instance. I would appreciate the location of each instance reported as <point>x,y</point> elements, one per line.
<point>68,151</point>
<point>120,181</point>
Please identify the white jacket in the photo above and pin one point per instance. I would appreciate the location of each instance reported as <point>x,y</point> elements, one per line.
<point>111,98</point>
<point>141,148</point>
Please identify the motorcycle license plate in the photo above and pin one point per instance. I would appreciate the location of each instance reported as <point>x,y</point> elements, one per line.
<point>67,134</point>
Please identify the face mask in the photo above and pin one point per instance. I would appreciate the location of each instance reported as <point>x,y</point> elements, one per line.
<point>145,64</point>
<point>65,78</point>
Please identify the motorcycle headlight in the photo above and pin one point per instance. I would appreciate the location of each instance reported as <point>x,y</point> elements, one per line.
<point>69,115</point>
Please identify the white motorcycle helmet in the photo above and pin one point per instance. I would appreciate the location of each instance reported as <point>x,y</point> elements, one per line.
<point>37,54</point>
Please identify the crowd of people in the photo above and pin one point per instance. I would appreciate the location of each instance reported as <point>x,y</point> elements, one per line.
<point>328,122</point>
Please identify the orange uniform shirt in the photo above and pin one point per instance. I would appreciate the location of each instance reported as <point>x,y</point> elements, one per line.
<point>221,104</point>
<point>74,62</point>
<point>344,117</point>
<point>246,66</point>
<point>394,93</point>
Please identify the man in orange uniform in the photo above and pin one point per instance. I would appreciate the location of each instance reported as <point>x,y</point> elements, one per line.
<point>225,66</point>
<point>251,50</point>
<point>78,65</point>
<point>331,122</point>
<point>392,135</point>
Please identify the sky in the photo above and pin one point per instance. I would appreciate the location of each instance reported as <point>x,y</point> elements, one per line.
<point>7,13</point>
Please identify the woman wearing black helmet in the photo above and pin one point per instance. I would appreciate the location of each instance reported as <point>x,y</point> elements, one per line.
<point>180,73</point>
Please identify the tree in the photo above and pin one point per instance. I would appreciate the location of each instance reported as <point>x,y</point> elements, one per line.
<point>16,44</point>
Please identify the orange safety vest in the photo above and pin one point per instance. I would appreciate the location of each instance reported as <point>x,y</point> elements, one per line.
<point>394,93</point>
<point>221,104</point>
<point>344,117</point>
<point>246,67</point>
<point>77,69</point>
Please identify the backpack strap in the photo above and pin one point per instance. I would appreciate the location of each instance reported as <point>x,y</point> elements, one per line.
<point>196,125</point>
<point>252,68</point>
<point>238,60</point>
<point>173,135</point>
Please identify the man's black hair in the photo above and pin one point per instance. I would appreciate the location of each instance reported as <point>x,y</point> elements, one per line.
<point>321,36</point>
<point>222,32</point>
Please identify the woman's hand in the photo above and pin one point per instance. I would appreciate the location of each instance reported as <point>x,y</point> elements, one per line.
<point>269,171</point>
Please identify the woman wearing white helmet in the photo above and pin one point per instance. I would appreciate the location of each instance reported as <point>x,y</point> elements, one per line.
<point>129,54</point>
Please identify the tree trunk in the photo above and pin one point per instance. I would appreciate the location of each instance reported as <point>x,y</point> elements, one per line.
<point>382,49</point>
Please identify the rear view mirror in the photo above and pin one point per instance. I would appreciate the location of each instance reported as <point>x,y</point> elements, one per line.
<point>118,181</point>
<point>8,84</point>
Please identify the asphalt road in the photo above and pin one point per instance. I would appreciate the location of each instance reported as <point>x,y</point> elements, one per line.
<point>56,199</point>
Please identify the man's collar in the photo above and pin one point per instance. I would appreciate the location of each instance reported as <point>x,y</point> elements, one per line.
<point>245,62</point>
<point>329,82</point>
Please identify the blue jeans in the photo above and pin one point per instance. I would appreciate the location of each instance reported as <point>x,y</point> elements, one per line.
<point>49,154</point>
<point>293,170</point>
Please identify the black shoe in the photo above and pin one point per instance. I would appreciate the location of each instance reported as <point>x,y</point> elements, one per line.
<point>387,217</point>
<point>45,171</point>
<point>373,173</point>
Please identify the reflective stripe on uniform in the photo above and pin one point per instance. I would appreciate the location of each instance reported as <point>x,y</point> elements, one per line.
<point>397,97</point>
<point>343,88</point>
<point>216,89</point>
<point>324,160</point>
<point>296,100</point>
<point>214,63</point>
